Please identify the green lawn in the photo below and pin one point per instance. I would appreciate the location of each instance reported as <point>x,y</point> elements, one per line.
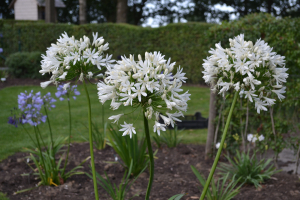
<point>13,139</point>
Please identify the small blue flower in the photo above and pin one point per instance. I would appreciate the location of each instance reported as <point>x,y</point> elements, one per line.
<point>61,92</point>
<point>49,101</point>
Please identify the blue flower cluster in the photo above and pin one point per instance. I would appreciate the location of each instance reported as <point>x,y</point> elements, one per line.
<point>61,92</point>
<point>31,104</point>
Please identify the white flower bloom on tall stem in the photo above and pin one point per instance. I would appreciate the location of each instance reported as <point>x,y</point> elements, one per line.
<point>254,70</point>
<point>70,58</point>
<point>147,83</point>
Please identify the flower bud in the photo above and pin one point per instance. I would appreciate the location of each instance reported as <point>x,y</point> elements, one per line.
<point>166,72</point>
<point>250,44</point>
<point>101,42</point>
<point>149,101</point>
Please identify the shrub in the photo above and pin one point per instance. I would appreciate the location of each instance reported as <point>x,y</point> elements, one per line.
<point>221,191</point>
<point>130,150</point>
<point>248,169</point>
<point>171,139</point>
<point>25,65</point>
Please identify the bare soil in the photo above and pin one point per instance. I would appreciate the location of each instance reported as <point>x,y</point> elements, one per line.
<point>173,175</point>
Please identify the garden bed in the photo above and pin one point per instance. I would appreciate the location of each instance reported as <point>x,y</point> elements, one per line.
<point>173,175</point>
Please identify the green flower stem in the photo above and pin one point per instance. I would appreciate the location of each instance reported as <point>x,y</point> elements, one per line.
<point>70,131</point>
<point>39,132</point>
<point>212,171</point>
<point>91,141</point>
<point>41,154</point>
<point>103,116</point>
<point>150,156</point>
<point>52,143</point>
<point>48,121</point>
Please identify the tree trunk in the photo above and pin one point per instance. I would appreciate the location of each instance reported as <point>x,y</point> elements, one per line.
<point>210,132</point>
<point>49,11</point>
<point>82,11</point>
<point>122,11</point>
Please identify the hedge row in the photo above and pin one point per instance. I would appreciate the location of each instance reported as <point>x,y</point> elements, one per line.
<point>187,44</point>
<point>184,43</point>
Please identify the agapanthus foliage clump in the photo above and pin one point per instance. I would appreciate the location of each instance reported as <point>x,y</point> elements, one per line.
<point>253,69</point>
<point>149,84</point>
<point>64,92</point>
<point>70,58</point>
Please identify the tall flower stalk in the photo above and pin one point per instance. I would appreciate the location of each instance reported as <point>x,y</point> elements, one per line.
<point>81,59</point>
<point>151,85</point>
<point>91,140</point>
<point>146,126</point>
<point>60,94</point>
<point>253,71</point>
<point>212,171</point>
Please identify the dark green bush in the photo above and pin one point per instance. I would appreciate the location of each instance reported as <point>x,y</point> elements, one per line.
<point>25,65</point>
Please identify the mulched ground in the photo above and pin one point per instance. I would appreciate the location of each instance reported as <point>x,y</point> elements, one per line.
<point>173,175</point>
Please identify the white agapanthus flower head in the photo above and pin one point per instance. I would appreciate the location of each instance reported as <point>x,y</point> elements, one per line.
<point>70,58</point>
<point>149,84</point>
<point>255,71</point>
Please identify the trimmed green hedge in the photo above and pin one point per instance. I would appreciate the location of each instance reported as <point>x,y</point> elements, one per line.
<point>187,43</point>
<point>184,43</point>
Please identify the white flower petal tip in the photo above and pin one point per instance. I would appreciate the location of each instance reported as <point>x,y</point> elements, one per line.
<point>45,84</point>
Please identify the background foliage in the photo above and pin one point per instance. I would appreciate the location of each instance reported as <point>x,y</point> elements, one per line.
<point>186,43</point>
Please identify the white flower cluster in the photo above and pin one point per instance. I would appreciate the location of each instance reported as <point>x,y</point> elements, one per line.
<point>147,83</point>
<point>254,70</point>
<point>70,58</point>
<point>253,138</point>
